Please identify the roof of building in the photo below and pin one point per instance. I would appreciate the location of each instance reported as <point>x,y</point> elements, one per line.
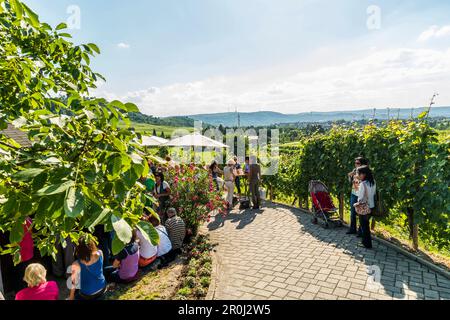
<point>17,135</point>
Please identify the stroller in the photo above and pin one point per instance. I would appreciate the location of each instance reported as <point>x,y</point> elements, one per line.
<point>323,207</point>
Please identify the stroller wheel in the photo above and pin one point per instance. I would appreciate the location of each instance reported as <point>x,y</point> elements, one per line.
<point>326,225</point>
<point>314,220</point>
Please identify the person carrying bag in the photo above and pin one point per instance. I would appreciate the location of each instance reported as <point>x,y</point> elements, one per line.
<point>365,204</point>
<point>362,207</point>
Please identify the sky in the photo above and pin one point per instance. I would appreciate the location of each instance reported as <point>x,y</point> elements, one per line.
<point>182,57</point>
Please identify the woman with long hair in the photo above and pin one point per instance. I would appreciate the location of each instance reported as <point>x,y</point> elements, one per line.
<point>354,180</point>
<point>88,269</point>
<point>215,171</point>
<point>366,194</point>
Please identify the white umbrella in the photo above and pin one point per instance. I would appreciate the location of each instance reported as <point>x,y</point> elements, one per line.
<point>153,141</point>
<point>195,140</point>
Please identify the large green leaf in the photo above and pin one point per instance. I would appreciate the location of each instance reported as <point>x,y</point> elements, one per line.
<point>119,145</point>
<point>94,47</point>
<point>27,175</point>
<point>117,245</point>
<point>61,26</point>
<point>149,232</point>
<point>16,234</point>
<point>74,202</point>
<point>55,188</point>
<point>102,215</point>
<point>122,229</point>
<point>131,107</point>
<point>33,17</point>
<point>17,7</point>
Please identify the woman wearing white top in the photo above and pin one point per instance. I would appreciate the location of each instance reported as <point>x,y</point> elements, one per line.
<point>366,193</point>
<point>229,177</point>
<point>164,245</point>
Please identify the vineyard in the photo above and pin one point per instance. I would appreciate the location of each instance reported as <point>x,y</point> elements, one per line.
<point>410,164</point>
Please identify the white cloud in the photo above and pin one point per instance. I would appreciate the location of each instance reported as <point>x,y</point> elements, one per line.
<point>123,45</point>
<point>390,78</point>
<point>434,32</point>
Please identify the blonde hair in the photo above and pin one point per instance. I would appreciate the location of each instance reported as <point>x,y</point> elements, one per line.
<point>35,274</point>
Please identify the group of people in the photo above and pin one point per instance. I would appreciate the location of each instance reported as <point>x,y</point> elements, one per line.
<point>234,175</point>
<point>89,265</point>
<point>363,193</point>
<point>93,267</point>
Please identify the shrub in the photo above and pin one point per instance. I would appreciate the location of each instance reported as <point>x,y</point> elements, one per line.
<point>205,281</point>
<point>185,292</point>
<point>193,195</point>
<point>190,282</point>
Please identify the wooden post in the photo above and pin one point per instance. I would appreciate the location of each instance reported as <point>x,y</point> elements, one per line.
<point>415,237</point>
<point>295,200</point>
<point>413,229</point>
<point>372,226</point>
<point>341,206</point>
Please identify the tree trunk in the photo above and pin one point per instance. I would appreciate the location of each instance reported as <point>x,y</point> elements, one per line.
<point>415,237</point>
<point>372,226</point>
<point>413,229</point>
<point>295,200</point>
<point>341,206</point>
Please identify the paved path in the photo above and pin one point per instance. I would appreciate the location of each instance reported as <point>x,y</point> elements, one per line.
<point>277,253</point>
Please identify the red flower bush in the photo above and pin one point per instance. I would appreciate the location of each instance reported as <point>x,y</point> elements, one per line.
<point>193,196</point>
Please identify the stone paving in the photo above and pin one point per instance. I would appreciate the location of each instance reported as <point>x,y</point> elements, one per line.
<point>277,253</point>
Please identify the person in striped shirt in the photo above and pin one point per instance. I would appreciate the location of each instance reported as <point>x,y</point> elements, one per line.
<point>176,229</point>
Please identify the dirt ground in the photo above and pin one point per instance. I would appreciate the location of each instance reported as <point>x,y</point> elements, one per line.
<point>155,285</point>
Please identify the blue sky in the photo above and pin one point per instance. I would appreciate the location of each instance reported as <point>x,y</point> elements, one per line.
<point>177,57</point>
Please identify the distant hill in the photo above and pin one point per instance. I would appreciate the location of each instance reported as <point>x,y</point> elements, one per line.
<point>265,118</point>
<point>169,121</point>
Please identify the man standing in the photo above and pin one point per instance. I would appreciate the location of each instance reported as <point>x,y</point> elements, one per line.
<point>254,178</point>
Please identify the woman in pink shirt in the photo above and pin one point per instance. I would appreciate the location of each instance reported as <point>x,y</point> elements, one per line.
<point>38,286</point>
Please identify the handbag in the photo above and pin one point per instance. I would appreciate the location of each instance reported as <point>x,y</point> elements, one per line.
<point>362,207</point>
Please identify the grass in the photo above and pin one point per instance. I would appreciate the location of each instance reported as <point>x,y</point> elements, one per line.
<point>145,128</point>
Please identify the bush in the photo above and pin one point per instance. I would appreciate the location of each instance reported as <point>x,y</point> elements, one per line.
<point>199,292</point>
<point>205,281</point>
<point>185,292</point>
<point>193,195</point>
<point>190,282</point>
<point>192,272</point>
<point>204,272</point>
